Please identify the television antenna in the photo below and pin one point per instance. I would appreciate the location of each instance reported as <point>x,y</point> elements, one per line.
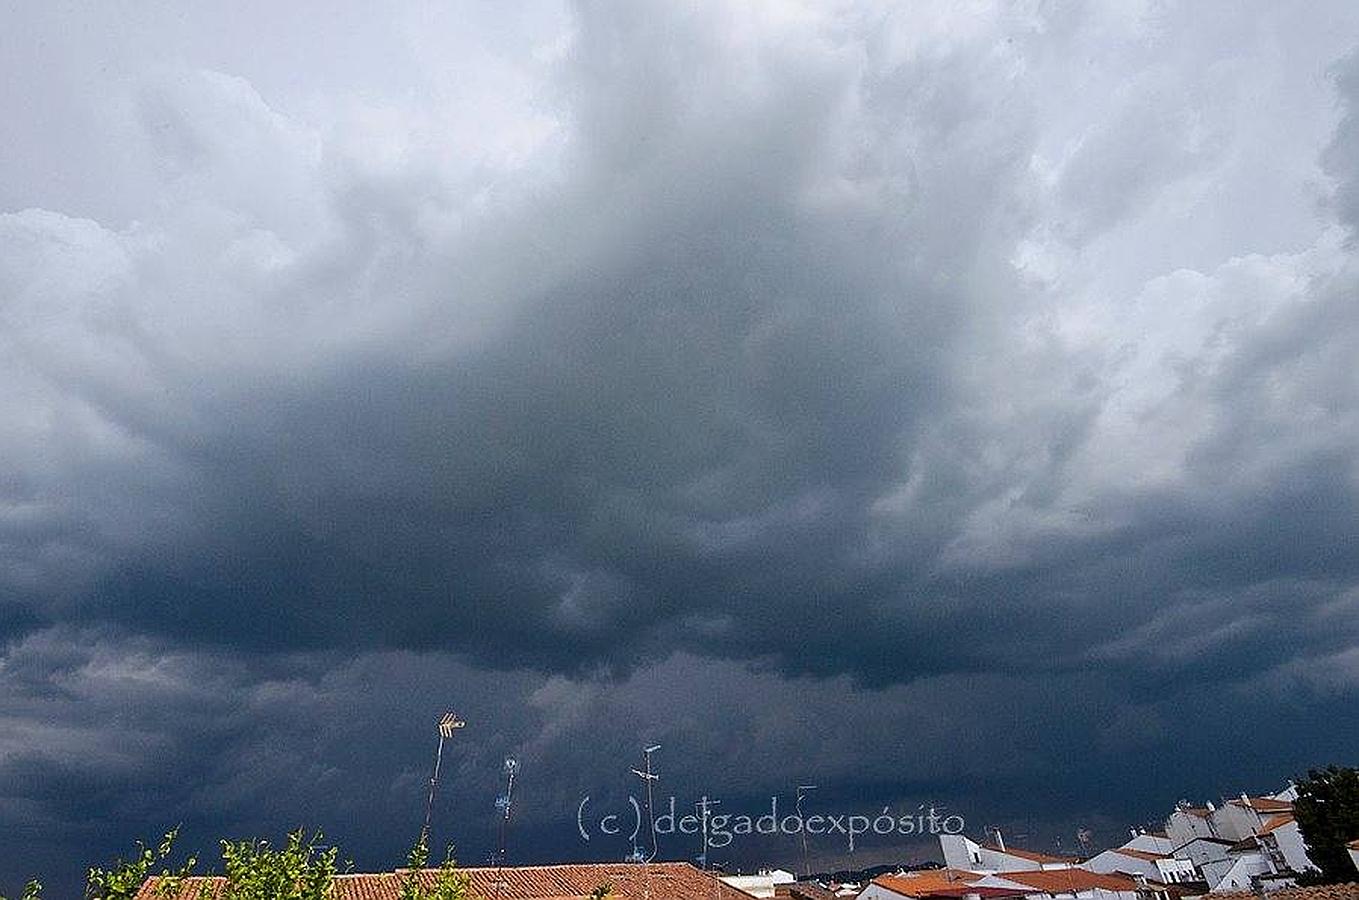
<point>648,778</point>
<point>448,724</point>
<point>504,803</point>
<point>802,791</point>
<point>704,806</point>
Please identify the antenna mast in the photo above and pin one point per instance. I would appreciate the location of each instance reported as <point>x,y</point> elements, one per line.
<point>448,723</point>
<point>704,808</point>
<point>504,803</point>
<point>802,790</point>
<point>648,778</point>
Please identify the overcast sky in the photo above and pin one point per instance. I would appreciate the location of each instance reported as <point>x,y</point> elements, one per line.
<point>946,403</point>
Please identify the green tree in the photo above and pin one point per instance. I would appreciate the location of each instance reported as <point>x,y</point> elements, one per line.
<point>1327,811</point>
<point>123,879</point>
<point>32,891</point>
<point>301,870</point>
<point>602,891</point>
<point>449,883</point>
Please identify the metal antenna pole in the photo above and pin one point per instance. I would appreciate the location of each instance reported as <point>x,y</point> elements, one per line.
<point>448,723</point>
<point>802,790</point>
<point>648,777</point>
<point>703,806</point>
<point>504,803</point>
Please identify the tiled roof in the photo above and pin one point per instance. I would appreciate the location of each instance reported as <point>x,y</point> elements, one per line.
<point>1031,855</point>
<point>1354,844</point>
<point>1276,821</point>
<point>658,881</point>
<point>939,883</point>
<point>1062,881</point>
<point>1264,804</point>
<point>1318,892</point>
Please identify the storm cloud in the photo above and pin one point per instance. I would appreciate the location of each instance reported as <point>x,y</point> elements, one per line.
<point>838,391</point>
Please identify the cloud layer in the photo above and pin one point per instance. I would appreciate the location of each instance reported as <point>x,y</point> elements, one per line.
<point>829,391</point>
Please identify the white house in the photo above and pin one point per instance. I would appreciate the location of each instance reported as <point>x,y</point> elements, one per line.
<point>1127,860</point>
<point>1234,820</point>
<point>764,883</point>
<point>1238,874</point>
<point>1151,843</point>
<point>1244,816</point>
<point>1353,847</point>
<point>1188,823</point>
<point>1270,846</point>
<point>1260,860</point>
<point>960,852</point>
<point>1282,838</point>
<point>1202,851</point>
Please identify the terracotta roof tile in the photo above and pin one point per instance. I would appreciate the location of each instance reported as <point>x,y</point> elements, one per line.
<point>938,883</point>
<point>927,882</point>
<point>659,881</point>
<point>1264,804</point>
<point>1318,892</point>
<point>1276,821</point>
<point>1061,881</point>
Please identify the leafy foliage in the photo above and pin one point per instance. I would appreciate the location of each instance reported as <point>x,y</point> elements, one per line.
<point>449,883</point>
<point>1327,812</point>
<point>32,891</point>
<point>602,891</point>
<point>301,870</point>
<point>124,878</point>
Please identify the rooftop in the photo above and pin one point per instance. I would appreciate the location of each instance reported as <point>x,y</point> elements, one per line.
<point>940,883</point>
<point>658,881</point>
<point>1031,855</point>
<point>1062,881</point>
<point>1263,804</point>
<point>1141,854</point>
<point>1318,892</point>
<point>1276,821</point>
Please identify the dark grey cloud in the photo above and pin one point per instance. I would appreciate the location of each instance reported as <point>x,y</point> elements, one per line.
<point>823,392</point>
